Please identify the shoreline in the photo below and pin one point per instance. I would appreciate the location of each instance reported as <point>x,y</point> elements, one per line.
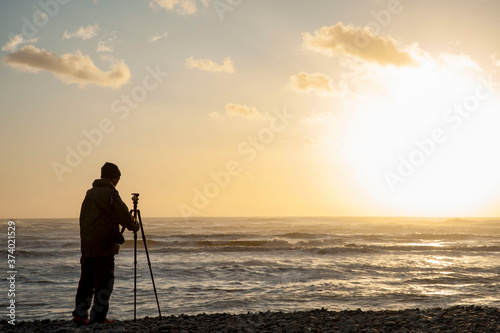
<point>453,319</point>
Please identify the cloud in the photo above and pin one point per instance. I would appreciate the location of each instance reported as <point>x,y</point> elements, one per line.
<point>316,83</point>
<point>458,61</point>
<point>84,33</point>
<point>208,65</point>
<point>69,68</point>
<point>183,7</point>
<point>41,15</point>
<point>318,118</point>
<point>157,37</point>
<point>15,41</point>
<point>358,42</point>
<point>215,115</point>
<point>495,59</point>
<point>238,110</point>
<point>104,46</point>
<point>107,43</point>
<point>311,142</point>
<point>327,140</point>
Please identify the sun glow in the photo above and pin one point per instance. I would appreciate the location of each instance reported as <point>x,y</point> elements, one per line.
<point>425,145</point>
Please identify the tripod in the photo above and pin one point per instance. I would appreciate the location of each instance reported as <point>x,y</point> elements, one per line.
<point>137,216</point>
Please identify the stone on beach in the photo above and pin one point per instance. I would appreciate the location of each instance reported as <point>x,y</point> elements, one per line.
<point>453,319</point>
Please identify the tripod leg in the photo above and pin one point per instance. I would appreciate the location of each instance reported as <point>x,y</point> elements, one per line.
<point>135,275</point>
<point>149,262</point>
<point>135,211</point>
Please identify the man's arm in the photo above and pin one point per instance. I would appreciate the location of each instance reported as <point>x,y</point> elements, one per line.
<point>123,216</point>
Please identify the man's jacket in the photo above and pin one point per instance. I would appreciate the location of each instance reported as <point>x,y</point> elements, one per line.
<point>102,212</point>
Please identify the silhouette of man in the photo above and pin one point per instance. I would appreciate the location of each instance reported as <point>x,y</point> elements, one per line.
<point>101,214</point>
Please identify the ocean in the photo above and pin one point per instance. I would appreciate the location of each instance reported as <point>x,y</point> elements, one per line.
<point>240,265</point>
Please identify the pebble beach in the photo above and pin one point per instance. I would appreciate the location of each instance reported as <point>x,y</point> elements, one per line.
<point>453,319</point>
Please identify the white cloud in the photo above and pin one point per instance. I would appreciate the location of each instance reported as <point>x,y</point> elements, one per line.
<point>358,42</point>
<point>15,41</point>
<point>84,33</point>
<point>495,59</point>
<point>40,15</point>
<point>183,7</point>
<point>311,142</point>
<point>327,140</point>
<point>104,46</point>
<point>238,110</point>
<point>209,65</point>
<point>107,42</point>
<point>69,68</point>
<point>215,115</point>
<point>316,83</point>
<point>157,37</point>
<point>318,118</point>
<point>458,61</point>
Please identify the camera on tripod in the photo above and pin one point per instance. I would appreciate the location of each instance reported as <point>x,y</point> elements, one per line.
<point>136,213</point>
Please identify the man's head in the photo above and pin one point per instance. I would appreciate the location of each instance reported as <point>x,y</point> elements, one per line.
<point>111,173</point>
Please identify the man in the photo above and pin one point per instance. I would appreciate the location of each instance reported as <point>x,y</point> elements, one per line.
<point>101,214</point>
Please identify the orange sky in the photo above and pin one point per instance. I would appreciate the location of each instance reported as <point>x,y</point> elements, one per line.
<point>261,108</point>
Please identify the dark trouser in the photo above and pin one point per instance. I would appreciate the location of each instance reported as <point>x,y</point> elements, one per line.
<point>97,278</point>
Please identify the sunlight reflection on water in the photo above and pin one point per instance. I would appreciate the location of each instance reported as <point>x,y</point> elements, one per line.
<point>240,265</point>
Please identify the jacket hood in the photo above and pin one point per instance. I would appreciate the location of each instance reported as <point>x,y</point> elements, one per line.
<point>102,183</point>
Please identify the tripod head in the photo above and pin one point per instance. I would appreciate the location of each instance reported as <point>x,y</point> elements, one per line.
<point>135,198</point>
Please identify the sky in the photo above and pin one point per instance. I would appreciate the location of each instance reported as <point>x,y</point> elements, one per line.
<point>252,108</point>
